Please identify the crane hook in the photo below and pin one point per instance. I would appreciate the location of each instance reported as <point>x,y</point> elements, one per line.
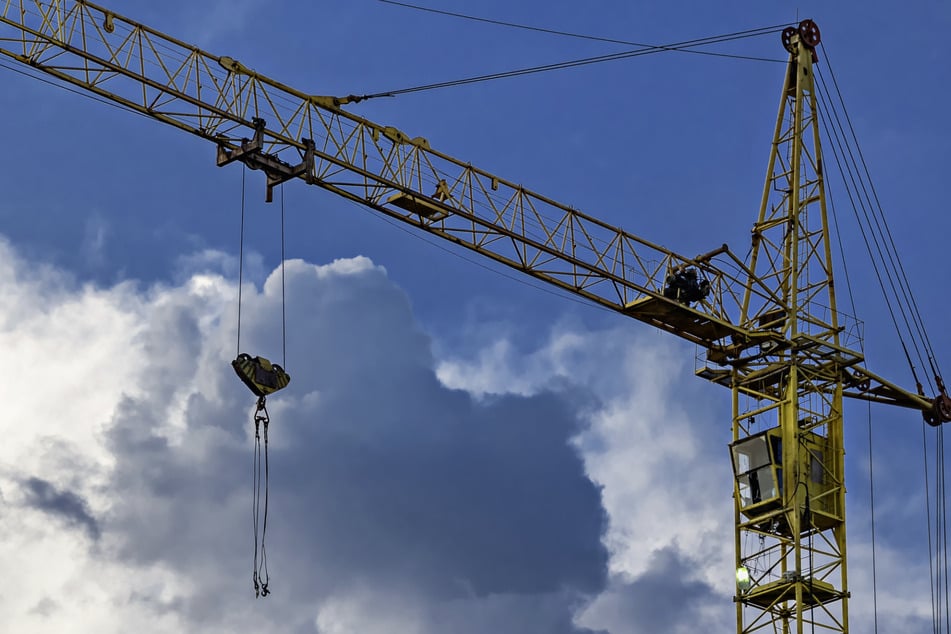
<point>260,375</point>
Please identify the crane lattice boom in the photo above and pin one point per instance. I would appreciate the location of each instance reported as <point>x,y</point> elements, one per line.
<point>769,326</point>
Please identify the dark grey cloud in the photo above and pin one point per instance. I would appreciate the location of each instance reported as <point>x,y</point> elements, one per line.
<point>65,505</point>
<point>44,607</point>
<point>668,597</point>
<point>380,475</point>
<point>518,614</point>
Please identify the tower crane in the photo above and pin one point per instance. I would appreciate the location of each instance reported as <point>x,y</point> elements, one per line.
<point>767,324</point>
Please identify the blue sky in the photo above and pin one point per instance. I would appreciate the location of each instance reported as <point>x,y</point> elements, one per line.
<point>458,450</point>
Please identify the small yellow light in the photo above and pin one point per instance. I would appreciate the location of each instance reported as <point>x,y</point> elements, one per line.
<point>742,578</point>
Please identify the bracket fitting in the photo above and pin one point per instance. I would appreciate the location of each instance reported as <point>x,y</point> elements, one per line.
<point>251,153</point>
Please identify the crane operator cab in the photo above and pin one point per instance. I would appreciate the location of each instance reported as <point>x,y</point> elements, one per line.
<point>758,473</point>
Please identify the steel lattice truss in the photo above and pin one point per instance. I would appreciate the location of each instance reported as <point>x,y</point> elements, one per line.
<point>220,99</point>
<point>768,329</point>
<point>311,137</point>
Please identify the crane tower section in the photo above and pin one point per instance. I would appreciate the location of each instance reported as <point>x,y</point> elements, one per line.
<point>787,449</point>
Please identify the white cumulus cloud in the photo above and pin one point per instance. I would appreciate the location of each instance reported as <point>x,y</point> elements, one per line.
<point>581,485</point>
<point>395,500</point>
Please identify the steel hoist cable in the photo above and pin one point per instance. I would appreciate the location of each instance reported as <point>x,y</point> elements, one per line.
<point>262,377</point>
<point>871,503</point>
<point>580,36</point>
<point>241,261</point>
<point>879,240</point>
<point>842,154</point>
<point>260,577</point>
<point>676,46</point>
<point>906,318</point>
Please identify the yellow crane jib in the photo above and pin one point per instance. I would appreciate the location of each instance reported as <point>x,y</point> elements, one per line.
<point>260,375</point>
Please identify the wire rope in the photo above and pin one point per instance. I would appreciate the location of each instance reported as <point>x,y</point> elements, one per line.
<point>941,544</point>
<point>841,153</point>
<point>845,267</point>
<point>931,547</point>
<point>260,576</point>
<point>942,479</point>
<point>903,278</point>
<point>939,494</point>
<point>256,502</point>
<point>283,288</point>
<point>836,147</point>
<point>580,36</point>
<point>76,91</point>
<point>717,39</point>
<point>158,42</point>
<point>886,247</point>
<point>880,244</point>
<point>241,258</point>
<point>871,498</point>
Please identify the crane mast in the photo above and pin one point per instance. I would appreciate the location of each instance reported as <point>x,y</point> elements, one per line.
<point>787,449</point>
<point>769,327</point>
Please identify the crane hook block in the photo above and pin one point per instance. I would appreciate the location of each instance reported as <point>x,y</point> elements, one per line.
<point>260,375</point>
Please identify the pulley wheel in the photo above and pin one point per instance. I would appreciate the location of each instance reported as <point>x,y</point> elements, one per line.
<point>788,33</point>
<point>943,408</point>
<point>809,33</point>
